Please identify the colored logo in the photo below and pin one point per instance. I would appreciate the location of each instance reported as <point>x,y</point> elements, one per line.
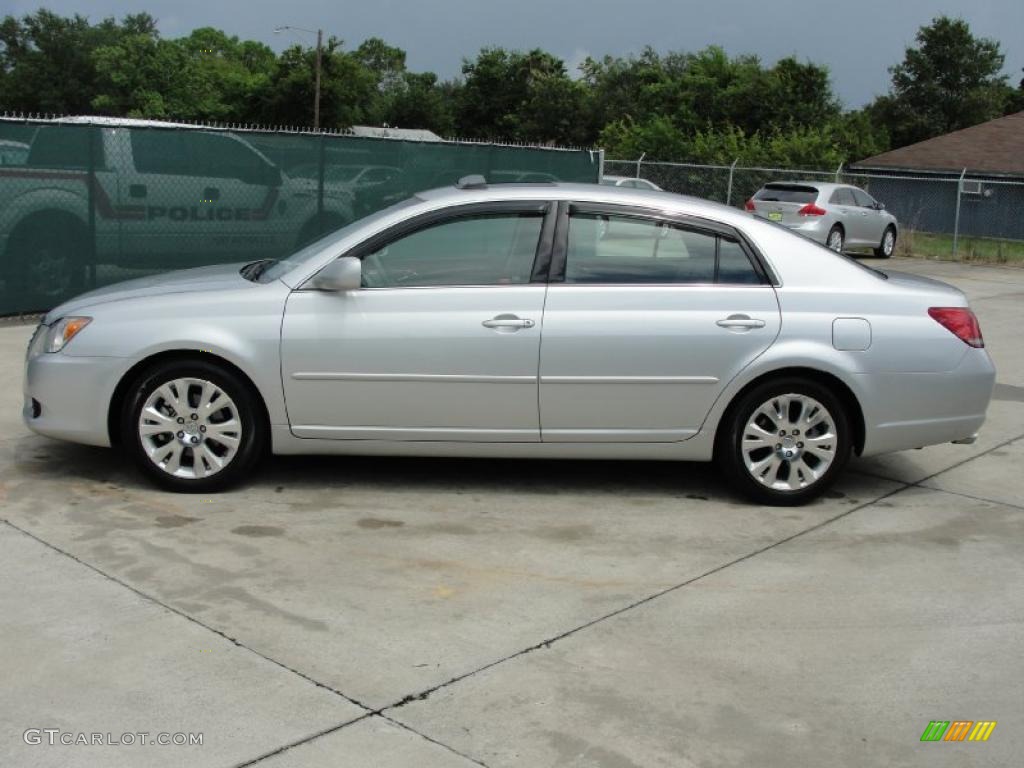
<point>958,730</point>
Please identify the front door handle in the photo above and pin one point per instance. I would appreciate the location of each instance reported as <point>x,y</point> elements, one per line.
<point>740,322</point>
<point>508,321</point>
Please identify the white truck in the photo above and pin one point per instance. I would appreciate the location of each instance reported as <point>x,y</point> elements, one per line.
<point>158,195</point>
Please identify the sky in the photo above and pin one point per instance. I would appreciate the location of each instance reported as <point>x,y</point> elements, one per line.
<point>856,39</point>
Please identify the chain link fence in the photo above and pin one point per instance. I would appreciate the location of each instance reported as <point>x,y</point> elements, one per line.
<point>940,216</point>
<point>87,202</point>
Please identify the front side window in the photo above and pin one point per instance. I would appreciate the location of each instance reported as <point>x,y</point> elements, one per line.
<point>632,250</point>
<point>842,196</point>
<point>490,249</point>
<point>864,200</point>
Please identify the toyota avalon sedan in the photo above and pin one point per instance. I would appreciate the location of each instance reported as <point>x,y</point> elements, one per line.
<point>514,321</point>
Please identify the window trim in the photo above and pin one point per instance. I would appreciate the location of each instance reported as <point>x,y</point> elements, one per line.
<point>707,226</point>
<point>541,257</point>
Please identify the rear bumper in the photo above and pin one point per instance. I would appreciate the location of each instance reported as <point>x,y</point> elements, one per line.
<point>911,410</point>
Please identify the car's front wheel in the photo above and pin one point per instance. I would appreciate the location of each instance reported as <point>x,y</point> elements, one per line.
<point>193,426</point>
<point>888,245</point>
<point>785,441</point>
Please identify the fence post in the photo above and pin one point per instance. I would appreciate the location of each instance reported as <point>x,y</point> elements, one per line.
<point>728,191</point>
<point>839,170</point>
<point>320,188</point>
<point>956,220</point>
<point>638,164</point>
<point>600,165</point>
<point>94,133</point>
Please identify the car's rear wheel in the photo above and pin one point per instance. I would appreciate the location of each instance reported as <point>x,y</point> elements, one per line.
<point>836,239</point>
<point>888,245</point>
<point>785,441</point>
<point>193,426</point>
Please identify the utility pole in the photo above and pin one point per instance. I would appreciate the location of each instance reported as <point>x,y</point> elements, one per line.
<point>319,65</point>
<point>316,97</point>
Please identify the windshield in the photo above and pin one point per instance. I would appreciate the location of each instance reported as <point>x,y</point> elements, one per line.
<point>278,268</point>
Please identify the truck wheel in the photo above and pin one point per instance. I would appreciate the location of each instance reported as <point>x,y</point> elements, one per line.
<point>46,262</point>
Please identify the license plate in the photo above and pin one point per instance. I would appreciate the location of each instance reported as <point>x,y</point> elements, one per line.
<point>775,216</point>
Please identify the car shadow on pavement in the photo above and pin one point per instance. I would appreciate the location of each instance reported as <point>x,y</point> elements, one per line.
<point>37,459</point>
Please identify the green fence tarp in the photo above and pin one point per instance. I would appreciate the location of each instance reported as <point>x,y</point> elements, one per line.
<point>85,205</point>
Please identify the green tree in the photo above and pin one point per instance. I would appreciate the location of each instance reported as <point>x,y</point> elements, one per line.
<point>515,95</point>
<point>949,80</point>
<point>48,61</point>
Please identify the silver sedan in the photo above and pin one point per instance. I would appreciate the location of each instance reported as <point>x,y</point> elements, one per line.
<point>550,321</point>
<point>837,215</point>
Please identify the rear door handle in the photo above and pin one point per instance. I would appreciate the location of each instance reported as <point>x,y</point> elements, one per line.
<point>508,321</point>
<point>740,322</point>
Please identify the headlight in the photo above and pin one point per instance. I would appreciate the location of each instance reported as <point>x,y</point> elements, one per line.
<point>63,331</point>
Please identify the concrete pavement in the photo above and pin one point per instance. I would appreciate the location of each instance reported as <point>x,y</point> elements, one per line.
<point>390,612</point>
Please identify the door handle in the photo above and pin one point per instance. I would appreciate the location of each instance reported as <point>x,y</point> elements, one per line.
<point>210,194</point>
<point>508,321</point>
<point>137,190</point>
<point>740,322</point>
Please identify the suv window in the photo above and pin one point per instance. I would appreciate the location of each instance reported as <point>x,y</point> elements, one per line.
<point>863,199</point>
<point>489,249</point>
<point>223,157</point>
<point>787,193</point>
<point>66,146</point>
<point>634,250</point>
<point>157,150</point>
<point>842,196</point>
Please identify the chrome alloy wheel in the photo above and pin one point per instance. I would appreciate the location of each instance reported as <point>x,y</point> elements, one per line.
<point>190,428</point>
<point>789,442</point>
<point>835,240</point>
<point>889,242</point>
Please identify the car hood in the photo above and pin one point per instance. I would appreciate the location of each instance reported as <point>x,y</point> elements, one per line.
<point>219,277</point>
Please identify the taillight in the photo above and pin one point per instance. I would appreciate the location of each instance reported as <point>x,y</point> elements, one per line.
<point>961,322</point>
<point>749,205</point>
<point>811,210</point>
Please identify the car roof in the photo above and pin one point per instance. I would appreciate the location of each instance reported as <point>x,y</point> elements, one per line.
<point>821,186</point>
<point>598,193</point>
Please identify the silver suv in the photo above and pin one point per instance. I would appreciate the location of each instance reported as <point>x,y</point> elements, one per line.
<point>836,215</point>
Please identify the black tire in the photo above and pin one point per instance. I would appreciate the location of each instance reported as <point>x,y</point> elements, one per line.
<point>729,455</point>
<point>881,250</point>
<point>251,444</point>
<point>836,230</point>
<point>47,261</point>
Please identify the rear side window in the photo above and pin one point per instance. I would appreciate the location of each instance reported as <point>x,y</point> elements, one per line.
<point>490,249</point>
<point>66,146</point>
<point>161,151</point>
<point>632,250</point>
<point>787,193</point>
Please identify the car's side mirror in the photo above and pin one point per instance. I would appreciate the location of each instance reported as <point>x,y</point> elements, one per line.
<point>879,206</point>
<point>344,274</point>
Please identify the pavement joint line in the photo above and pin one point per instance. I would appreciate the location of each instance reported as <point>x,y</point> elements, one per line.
<point>972,498</point>
<point>431,740</point>
<point>299,742</point>
<point>194,620</point>
<point>423,695</point>
<point>545,644</point>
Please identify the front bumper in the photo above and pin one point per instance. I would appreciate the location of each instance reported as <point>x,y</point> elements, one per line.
<point>68,398</point>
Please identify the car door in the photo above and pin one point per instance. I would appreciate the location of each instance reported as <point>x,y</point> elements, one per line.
<point>873,221</point>
<point>442,341</point>
<point>647,318</point>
